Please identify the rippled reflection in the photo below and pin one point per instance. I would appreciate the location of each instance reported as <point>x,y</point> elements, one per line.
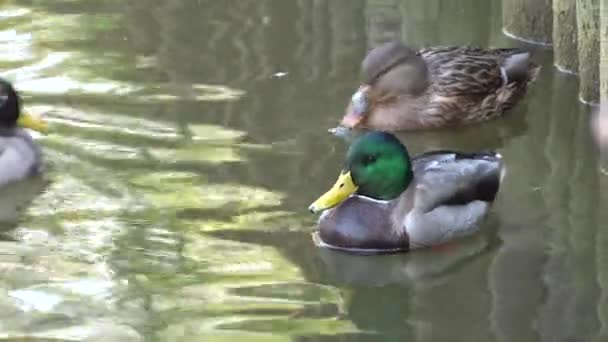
<point>189,138</point>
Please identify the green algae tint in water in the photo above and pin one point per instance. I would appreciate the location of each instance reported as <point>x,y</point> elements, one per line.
<point>189,138</point>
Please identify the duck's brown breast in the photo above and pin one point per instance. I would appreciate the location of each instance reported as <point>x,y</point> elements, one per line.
<point>410,113</point>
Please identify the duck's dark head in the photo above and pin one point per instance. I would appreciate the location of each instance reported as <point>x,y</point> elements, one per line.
<point>11,114</point>
<point>10,105</point>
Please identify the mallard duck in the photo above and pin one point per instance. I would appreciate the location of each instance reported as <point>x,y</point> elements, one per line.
<point>20,157</point>
<point>383,201</point>
<point>406,89</point>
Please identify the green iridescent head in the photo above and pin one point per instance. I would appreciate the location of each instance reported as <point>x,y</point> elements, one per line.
<point>377,165</point>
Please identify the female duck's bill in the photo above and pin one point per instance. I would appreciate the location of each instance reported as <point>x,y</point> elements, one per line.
<point>359,106</point>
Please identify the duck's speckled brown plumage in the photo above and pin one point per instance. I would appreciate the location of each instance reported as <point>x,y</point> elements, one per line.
<point>441,86</point>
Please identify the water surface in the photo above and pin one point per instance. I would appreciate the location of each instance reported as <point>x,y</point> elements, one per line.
<point>189,139</point>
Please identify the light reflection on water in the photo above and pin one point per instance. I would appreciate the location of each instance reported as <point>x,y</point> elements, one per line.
<point>181,168</point>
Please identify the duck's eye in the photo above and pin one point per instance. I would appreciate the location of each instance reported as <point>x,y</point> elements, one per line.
<point>369,159</point>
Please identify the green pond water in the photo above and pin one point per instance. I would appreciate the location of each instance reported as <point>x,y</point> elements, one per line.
<point>189,138</point>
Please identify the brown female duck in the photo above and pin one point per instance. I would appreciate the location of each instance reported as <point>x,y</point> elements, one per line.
<point>405,89</point>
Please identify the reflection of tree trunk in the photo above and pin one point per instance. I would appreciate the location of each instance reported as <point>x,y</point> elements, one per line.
<point>581,315</point>
<point>420,20</point>
<point>383,21</point>
<point>143,28</point>
<point>347,35</point>
<point>311,28</point>
<point>602,260</point>
<point>587,15</point>
<point>558,151</point>
<point>604,51</point>
<point>514,285</point>
<point>566,311</point>
<point>515,272</point>
<point>438,22</point>
<point>362,304</point>
<point>528,19</point>
<point>564,35</point>
<point>435,321</point>
<point>497,36</point>
<point>514,278</point>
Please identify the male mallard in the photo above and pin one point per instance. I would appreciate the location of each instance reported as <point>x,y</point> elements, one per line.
<point>20,157</point>
<point>405,89</point>
<point>386,202</point>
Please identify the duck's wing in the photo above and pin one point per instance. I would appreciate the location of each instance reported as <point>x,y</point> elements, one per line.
<point>466,71</point>
<point>445,178</point>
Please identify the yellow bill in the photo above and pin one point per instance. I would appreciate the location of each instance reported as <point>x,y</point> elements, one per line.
<point>343,188</point>
<point>27,120</point>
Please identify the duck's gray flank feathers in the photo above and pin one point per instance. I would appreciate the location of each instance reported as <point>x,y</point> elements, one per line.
<point>453,193</point>
<point>455,178</point>
<point>20,157</point>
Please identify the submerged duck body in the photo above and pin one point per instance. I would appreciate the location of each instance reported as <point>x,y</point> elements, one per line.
<point>406,89</point>
<point>384,202</point>
<point>20,157</point>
